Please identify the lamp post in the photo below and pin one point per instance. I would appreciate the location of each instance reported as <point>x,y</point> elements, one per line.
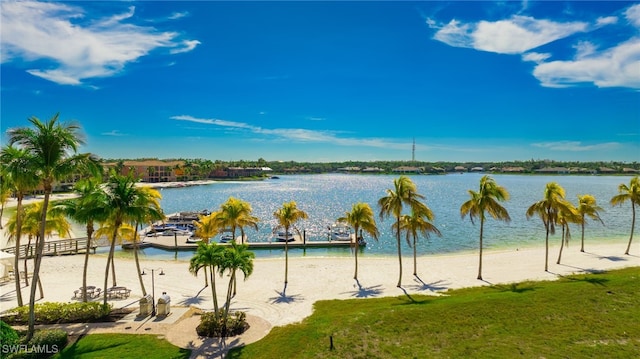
<point>153,287</point>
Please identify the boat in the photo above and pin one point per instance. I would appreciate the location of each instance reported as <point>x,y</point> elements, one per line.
<point>340,232</point>
<point>193,239</point>
<point>129,245</point>
<point>226,237</point>
<point>281,236</point>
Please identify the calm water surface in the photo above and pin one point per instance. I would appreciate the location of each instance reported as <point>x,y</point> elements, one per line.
<point>326,197</point>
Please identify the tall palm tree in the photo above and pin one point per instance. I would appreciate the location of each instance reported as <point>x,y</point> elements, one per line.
<point>149,201</point>
<point>18,172</point>
<point>126,203</point>
<point>208,255</point>
<point>234,258</point>
<point>548,209</point>
<point>287,216</point>
<point>236,213</point>
<point>629,193</point>
<point>486,200</point>
<point>84,209</point>
<point>205,228</point>
<point>566,216</point>
<point>414,224</point>
<point>404,192</point>
<point>587,207</point>
<point>53,147</point>
<point>360,217</point>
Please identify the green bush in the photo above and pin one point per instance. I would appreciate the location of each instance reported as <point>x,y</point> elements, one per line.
<point>210,327</point>
<point>53,312</point>
<point>8,338</point>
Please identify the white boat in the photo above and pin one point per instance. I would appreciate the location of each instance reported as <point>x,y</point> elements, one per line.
<point>130,245</point>
<point>193,239</point>
<point>226,237</point>
<point>281,236</point>
<point>340,232</point>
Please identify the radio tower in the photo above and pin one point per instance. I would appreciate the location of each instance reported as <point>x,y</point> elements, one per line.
<point>413,151</point>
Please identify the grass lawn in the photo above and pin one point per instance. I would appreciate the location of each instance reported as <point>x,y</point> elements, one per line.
<point>145,346</point>
<point>582,316</point>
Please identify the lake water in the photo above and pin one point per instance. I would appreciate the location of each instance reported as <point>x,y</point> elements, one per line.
<point>326,197</point>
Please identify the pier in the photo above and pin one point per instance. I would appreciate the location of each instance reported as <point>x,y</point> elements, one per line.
<point>53,248</point>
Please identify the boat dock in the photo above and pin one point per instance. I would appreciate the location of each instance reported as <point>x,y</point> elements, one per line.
<point>180,243</point>
<point>54,248</point>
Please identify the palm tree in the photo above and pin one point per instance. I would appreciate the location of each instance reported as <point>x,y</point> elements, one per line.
<point>548,209</point>
<point>53,148</point>
<point>205,228</point>
<point>404,192</point>
<point>287,216</point>
<point>236,213</point>
<point>360,218</point>
<point>587,207</point>
<point>84,209</point>
<point>415,223</point>
<point>486,200</point>
<point>126,203</point>
<point>236,257</point>
<point>149,201</point>
<point>18,173</point>
<point>629,193</point>
<point>566,216</point>
<point>208,255</point>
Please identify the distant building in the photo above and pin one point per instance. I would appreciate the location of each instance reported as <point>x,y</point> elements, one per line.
<point>513,169</point>
<point>560,170</point>
<point>408,169</point>
<point>372,169</point>
<point>477,169</point>
<point>150,170</point>
<point>460,169</point>
<point>349,169</point>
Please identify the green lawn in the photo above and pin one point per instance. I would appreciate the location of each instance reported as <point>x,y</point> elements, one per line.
<point>145,346</point>
<point>583,316</point>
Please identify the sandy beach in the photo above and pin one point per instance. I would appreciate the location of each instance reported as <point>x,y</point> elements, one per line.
<point>312,279</point>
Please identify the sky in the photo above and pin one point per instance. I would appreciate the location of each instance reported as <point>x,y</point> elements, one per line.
<point>329,81</point>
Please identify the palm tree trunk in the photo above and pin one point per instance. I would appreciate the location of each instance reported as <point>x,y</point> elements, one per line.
<point>109,264</point>
<point>40,289</point>
<point>546,249</point>
<point>25,262</point>
<point>415,257</point>
<point>582,239</point>
<point>355,248</point>
<point>16,257</point>
<point>86,261</point>
<point>38,261</point>
<point>214,295</point>
<point>561,245</point>
<point>113,270</point>
<point>399,253</point>
<point>481,245</point>
<point>135,255</point>
<point>286,255</point>
<point>633,224</point>
<point>206,277</point>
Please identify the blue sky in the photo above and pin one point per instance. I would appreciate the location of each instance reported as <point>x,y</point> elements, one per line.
<point>330,81</point>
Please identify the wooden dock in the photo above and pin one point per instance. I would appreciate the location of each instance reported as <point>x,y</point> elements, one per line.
<point>54,248</point>
<point>180,243</point>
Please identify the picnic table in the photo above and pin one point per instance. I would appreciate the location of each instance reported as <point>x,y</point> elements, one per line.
<point>118,292</point>
<point>92,292</point>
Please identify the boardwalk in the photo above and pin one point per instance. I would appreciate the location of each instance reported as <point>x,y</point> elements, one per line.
<point>54,248</point>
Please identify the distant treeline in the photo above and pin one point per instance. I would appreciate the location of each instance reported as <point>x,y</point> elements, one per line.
<point>530,166</point>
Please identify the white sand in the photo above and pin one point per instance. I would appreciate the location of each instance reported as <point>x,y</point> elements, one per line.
<point>316,278</point>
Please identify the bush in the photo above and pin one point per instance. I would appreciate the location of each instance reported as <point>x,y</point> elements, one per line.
<point>8,338</point>
<point>45,343</point>
<point>210,327</point>
<point>53,313</point>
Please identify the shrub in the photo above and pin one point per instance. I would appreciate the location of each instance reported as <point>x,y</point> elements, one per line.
<point>210,327</point>
<point>52,312</point>
<point>8,338</point>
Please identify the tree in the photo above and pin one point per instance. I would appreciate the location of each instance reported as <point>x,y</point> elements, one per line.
<point>360,218</point>
<point>566,216</point>
<point>53,147</point>
<point>548,209</point>
<point>486,200</point>
<point>234,258</point>
<point>208,255</point>
<point>404,192</point>
<point>414,224</point>
<point>125,202</point>
<point>287,216</point>
<point>18,173</point>
<point>84,209</point>
<point>587,207</point>
<point>236,213</point>
<point>629,193</point>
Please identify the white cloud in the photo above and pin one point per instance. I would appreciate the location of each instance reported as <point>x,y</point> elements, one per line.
<point>608,20</point>
<point>114,133</point>
<point>535,57</point>
<point>633,15</point>
<point>298,134</point>
<point>615,67</point>
<point>51,31</point>
<point>576,146</point>
<point>511,36</point>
